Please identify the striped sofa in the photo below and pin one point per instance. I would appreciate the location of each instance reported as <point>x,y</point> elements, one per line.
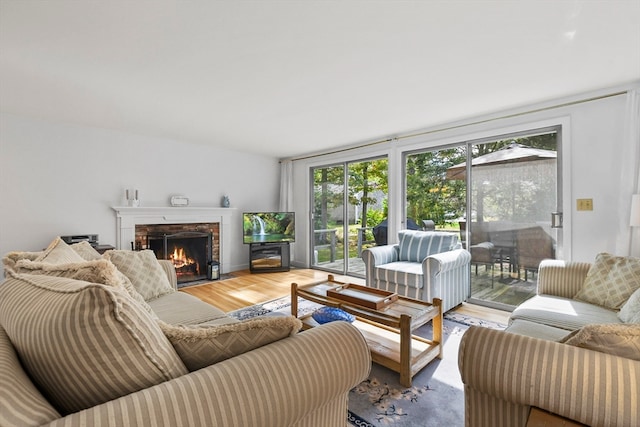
<point>575,360</point>
<point>80,353</point>
<point>424,265</point>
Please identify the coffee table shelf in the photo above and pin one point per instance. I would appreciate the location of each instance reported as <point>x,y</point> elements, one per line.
<point>388,331</point>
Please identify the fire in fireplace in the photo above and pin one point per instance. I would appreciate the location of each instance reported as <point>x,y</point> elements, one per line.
<point>190,252</point>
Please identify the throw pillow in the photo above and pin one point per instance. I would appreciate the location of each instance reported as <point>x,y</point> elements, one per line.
<point>620,340</point>
<point>86,251</point>
<point>630,311</point>
<point>99,271</point>
<point>200,346</point>
<point>415,245</point>
<point>58,252</point>
<point>610,281</point>
<point>9,261</point>
<point>144,271</point>
<point>83,343</point>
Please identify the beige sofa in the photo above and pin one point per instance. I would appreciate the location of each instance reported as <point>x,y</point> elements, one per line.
<point>590,375</point>
<point>78,353</point>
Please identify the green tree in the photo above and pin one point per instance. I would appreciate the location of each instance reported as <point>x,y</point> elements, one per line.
<point>364,179</point>
<point>328,189</point>
<point>430,194</point>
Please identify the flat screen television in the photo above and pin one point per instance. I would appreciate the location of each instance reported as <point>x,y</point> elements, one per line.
<point>268,227</point>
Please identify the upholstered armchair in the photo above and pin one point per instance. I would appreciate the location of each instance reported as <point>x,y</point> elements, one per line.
<point>423,265</point>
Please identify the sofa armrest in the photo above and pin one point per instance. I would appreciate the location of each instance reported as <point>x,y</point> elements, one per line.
<point>276,385</point>
<point>170,271</point>
<point>560,278</point>
<point>501,369</point>
<point>445,261</point>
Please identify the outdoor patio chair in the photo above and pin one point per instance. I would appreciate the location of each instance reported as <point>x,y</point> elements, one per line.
<point>533,245</point>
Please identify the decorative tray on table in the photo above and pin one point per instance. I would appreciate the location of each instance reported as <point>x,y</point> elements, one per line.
<point>362,296</point>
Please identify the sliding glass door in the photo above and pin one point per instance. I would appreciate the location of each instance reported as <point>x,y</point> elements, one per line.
<point>500,206</point>
<point>349,200</point>
<point>513,190</point>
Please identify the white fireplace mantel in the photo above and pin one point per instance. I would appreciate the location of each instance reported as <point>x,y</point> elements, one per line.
<point>128,217</point>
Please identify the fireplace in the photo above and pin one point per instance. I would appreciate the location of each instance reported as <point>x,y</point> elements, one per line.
<point>189,251</point>
<point>191,247</point>
<point>135,223</point>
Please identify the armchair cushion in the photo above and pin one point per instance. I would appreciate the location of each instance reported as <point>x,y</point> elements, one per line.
<point>402,273</point>
<point>83,343</point>
<point>611,281</point>
<point>416,245</point>
<point>144,271</point>
<point>200,346</point>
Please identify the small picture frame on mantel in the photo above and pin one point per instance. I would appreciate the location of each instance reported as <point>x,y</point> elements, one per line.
<point>179,201</point>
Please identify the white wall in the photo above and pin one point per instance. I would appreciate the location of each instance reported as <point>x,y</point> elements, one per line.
<point>594,154</point>
<point>59,179</point>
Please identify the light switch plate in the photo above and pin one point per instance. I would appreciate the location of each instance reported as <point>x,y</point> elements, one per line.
<point>584,204</point>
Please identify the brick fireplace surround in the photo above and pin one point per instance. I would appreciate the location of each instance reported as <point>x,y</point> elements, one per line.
<point>128,217</point>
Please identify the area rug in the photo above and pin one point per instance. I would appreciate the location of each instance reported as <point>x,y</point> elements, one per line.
<point>436,397</point>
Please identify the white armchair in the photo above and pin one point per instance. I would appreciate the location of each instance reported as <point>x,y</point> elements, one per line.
<point>423,265</point>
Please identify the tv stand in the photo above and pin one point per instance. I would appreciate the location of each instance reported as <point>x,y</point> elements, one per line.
<point>268,257</point>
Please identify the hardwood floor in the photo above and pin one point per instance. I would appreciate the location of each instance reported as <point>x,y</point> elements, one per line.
<point>246,289</point>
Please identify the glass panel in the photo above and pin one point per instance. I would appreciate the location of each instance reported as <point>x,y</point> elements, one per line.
<point>513,192</point>
<point>328,217</point>
<point>367,208</point>
<point>435,198</point>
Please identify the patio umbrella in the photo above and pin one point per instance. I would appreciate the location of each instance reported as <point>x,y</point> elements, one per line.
<point>512,179</point>
<point>512,153</point>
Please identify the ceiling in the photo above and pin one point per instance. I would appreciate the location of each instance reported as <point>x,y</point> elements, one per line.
<point>287,78</point>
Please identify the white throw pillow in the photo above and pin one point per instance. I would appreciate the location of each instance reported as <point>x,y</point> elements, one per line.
<point>143,270</point>
<point>58,252</point>
<point>630,311</point>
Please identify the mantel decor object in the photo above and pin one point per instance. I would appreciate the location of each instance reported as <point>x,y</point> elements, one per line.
<point>179,201</point>
<point>133,202</point>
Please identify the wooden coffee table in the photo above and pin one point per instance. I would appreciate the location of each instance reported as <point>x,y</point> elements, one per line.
<point>387,330</point>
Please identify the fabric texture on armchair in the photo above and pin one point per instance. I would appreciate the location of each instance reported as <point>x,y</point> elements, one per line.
<point>423,265</point>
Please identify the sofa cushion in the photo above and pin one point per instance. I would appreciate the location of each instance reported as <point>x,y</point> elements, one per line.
<point>563,313</point>
<point>144,271</point>
<point>21,403</point>
<point>536,330</point>
<point>200,346</point>
<point>86,251</point>
<point>184,309</point>
<point>415,245</point>
<point>611,281</point>
<point>402,273</point>
<point>620,340</point>
<point>58,252</point>
<point>99,271</point>
<point>630,311</point>
<point>83,343</point>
